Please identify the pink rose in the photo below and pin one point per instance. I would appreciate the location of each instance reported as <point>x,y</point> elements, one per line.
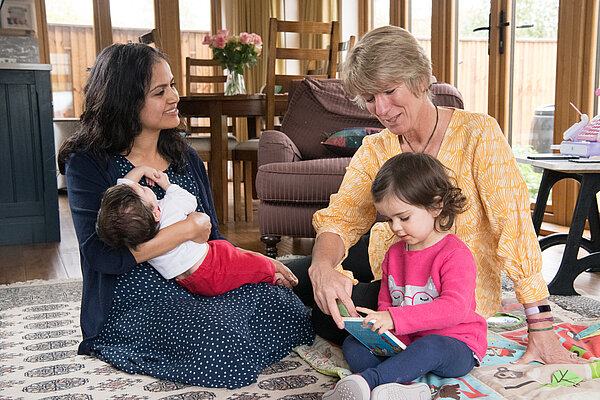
<point>256,39</point>
<point>245,37</point>
<point>207,39</point>
<point>219,42</point>
<point>223,32</point>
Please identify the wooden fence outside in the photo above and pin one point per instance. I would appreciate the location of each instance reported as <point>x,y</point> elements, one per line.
<point>72,52</point>
<point>534,81</point>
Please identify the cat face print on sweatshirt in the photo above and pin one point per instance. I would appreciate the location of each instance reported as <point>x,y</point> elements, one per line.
<point>412,295</point>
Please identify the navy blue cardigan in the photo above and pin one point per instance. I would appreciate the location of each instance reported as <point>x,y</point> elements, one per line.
<point>87,179</point>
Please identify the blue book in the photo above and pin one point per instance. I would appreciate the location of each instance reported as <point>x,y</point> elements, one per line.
<point>385,344</point>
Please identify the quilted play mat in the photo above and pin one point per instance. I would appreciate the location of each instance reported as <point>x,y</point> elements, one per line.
<point>497,378</point>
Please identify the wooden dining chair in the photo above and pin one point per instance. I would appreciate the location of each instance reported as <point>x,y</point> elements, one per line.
<point>205,76</point>
<point>151,37</point>
<point>275,52</point>
<point>202,77</point>
<point>343,49</point>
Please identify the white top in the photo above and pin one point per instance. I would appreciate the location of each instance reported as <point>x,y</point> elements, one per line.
<point>174,207</point>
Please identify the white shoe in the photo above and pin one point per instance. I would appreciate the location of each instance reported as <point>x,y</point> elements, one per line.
<point>397,391</point>
<point>352,387</point>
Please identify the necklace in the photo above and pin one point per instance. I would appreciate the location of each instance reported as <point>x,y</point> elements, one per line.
<point>437,116</point>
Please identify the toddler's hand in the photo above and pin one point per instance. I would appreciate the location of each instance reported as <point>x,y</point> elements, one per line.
<point>162,180</point>
<point>382,320</point>
<point>148,173</point>
<point>283,275</point>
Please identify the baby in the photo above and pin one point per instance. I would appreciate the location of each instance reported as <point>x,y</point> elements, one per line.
<point>130,214</point>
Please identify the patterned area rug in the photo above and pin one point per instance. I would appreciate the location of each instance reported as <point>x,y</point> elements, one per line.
<point>39,335</point>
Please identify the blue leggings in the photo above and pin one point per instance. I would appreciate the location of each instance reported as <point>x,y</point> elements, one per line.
<point>444,356</point>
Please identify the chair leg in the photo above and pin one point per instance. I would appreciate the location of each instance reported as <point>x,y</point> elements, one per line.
<point>248,189</point>
<point>271,243</point>
<point>237,192</point>
<point>254,172</point>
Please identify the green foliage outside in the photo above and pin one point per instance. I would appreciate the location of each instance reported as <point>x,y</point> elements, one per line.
<point>531,174</point>
<point>543,14</point>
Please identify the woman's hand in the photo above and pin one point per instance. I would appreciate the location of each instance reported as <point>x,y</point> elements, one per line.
<point>545,348</point>
<point>381,320</point>
<point>328,286</point>
<point>198,226</point>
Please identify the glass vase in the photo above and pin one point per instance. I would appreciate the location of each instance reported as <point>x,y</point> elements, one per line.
<point>234,84</point>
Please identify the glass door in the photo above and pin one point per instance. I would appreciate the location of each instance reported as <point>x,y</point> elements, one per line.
<point>534,29</point>
<point>473,62</point>
<point>523,62</point>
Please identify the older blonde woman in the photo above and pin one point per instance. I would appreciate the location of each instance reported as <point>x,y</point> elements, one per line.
<point>389,73</point>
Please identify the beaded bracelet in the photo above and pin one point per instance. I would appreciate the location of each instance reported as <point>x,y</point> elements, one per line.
<point>540,330</point>
<point>536,320</point>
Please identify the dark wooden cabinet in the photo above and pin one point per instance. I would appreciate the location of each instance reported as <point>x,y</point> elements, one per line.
<point>28,193</point>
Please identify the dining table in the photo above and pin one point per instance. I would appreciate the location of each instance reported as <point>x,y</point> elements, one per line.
<point>218,107</point>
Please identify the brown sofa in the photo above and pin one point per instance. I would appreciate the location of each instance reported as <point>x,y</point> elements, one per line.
<point>296,173</point>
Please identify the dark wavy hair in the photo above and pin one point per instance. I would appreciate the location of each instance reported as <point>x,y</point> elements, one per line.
<point>422,181</point>
<point>124,220</point>
<point>114,94</point>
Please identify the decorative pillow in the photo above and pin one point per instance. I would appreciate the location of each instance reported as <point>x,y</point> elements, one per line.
<point>345,142</point>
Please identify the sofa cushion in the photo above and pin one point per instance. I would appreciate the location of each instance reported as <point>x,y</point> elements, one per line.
<point>275,146</point>
<point>318,108</point>
<point>311,181</point>
<point>345,142</point>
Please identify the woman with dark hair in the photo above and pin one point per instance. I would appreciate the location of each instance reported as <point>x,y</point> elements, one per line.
<point>131,317</point>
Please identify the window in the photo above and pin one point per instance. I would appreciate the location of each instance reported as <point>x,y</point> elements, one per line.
<point>124,27</point>
<point>526,114</point>
<point>194,20</point>
<point>531,105</point>
<point>380,14</point>
<point>473,62</point>
<point>420,23</point>
<point>71,44</point>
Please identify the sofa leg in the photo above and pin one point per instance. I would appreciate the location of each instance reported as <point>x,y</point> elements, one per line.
<point>271,243</point>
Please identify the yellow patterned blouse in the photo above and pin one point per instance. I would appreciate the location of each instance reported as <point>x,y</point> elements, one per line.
<point>497,226</point>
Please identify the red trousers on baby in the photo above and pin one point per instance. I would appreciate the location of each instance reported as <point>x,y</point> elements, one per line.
<point>225,268</point>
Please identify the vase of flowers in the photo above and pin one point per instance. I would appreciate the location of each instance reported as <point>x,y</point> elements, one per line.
<point>235,53</point>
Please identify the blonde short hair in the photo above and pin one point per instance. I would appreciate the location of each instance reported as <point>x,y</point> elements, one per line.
<point>384,58</point>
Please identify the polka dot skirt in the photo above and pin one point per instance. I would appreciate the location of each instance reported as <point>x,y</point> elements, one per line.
<point>155,327</point>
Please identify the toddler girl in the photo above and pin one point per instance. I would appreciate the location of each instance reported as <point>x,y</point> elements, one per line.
<point>427,295</point>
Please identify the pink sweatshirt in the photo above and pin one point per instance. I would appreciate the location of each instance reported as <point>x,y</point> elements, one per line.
<point>432,291</point>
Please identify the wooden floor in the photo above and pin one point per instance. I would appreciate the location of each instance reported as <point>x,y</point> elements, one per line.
<point>61,260</point>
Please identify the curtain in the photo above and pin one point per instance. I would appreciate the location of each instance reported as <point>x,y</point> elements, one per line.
<point>252,16</point>
<point>316,11</point>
